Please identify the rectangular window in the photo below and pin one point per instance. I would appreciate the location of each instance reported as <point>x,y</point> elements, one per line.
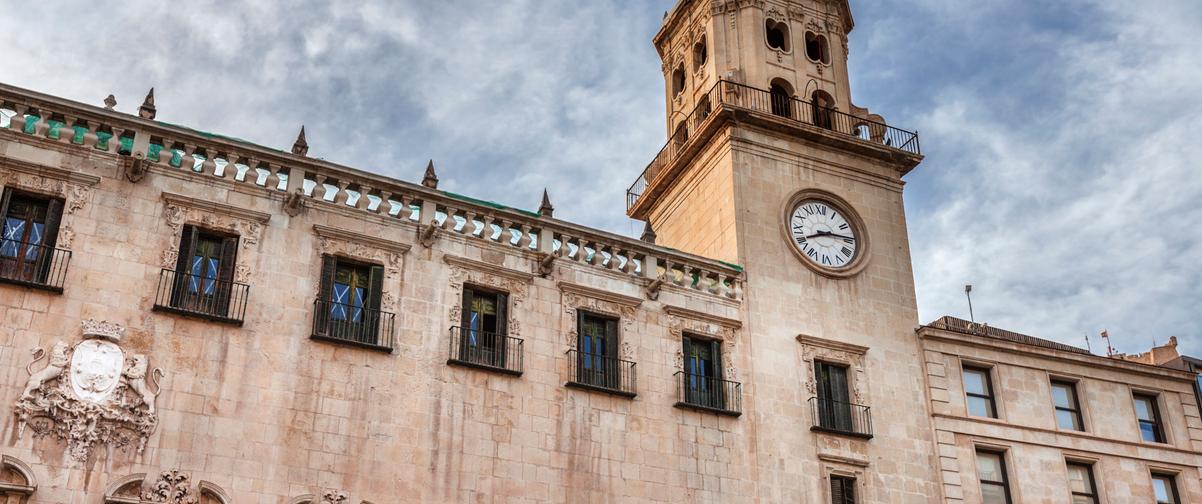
<point>703,373</point>
<point>204,272</point>
<point>1165,488</point>
<point>597,344</point>
<point>483,330</point>
<point>1081,483</point>
<point>991,470</point>
<point>843,490</point>
<point>1148,415</point>
<point>834,403</point>
<point>1068,409</point>
<point>27,236</point>
<point>349,307</point>
<point>978,391</point>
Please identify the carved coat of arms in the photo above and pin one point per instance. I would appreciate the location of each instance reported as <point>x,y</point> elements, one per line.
<point>90,393</point>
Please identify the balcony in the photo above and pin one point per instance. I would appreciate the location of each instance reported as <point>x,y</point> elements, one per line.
<point>601,373</point>
<point>707,393</point>
<point>207,298</point>
<point>841,418</point>
<point>35,266</point>
<point>352,325</point>
<point>727,98</point>
<point>485,350</point>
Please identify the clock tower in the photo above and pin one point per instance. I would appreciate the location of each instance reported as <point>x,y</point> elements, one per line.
<point>770,164</point>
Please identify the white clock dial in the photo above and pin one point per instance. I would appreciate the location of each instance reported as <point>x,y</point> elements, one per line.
<point>823,234</point>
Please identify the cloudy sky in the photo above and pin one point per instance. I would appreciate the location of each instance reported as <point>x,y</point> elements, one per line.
<point>1061,177</point>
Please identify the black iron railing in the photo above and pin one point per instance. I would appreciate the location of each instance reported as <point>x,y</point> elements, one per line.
<point>601,372</point>
<point>727,94</point>
<point>36,266</point>
<point>210,298</point>
<point>841,417</point>
<point>486,350</point>
<point>709,393</point>
<point>356,325</point>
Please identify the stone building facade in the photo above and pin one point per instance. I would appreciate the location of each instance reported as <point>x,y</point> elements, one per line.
<point>191,318</point>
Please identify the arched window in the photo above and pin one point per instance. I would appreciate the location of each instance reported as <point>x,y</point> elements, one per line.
<point>778,34</point>
<point>678,80</point>
<point>822,104</point>
<point>782,98</point>
<point>681,134</point>
<point>701,54</point>
<point>817,48</point>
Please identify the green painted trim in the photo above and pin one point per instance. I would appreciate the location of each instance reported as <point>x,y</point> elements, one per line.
<point>489,203</point>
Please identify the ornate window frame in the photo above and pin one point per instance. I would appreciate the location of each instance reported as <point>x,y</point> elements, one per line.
<point>833,465</point>
<point>22,491</point>
<point>370,249</point>
<point>75,189</point>
<point>167,487</point>
<point>576,298</point>
<point>724,330</point>
<point>179,210</point>
<point>472,272</point>
<point>814,350</point>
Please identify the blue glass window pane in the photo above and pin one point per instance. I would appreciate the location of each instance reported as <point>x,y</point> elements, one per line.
<point>35,239</point>
<point>338,307</point>
<point>194,274</point>
<point>357,302</point>
<point>14,230</point>
<point>211,277</point>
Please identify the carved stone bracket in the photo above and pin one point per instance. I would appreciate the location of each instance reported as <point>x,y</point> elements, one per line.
<point>74,188</point>
<point>90,393</point>
<point>367,248</point>
<point>578,297</point>
<point>683,320</point>
<point>247,224</point>
<point>469,271</point>
<point>325,496</point>
<point>823,350</point>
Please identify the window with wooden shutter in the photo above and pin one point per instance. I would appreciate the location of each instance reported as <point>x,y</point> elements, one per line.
<point>204,272</point>
<point>28,233</point>
<point>483,327</point>
<point>349,305</point>
<point>843,490</point>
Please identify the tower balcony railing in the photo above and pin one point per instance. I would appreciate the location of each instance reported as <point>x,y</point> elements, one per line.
<point>732,95</point>
<point>709,393</point>
<point>840,417</point>
<point>602,373</point>
<point>33,265</point>
<point>208,298</point>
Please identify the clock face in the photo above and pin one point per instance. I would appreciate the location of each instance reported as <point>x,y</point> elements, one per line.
<point>823,234</point>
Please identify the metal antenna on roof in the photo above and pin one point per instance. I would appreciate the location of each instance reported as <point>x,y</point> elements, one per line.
<point>1109,348</point>
<point>968,294</point>
<point>1087,346</point>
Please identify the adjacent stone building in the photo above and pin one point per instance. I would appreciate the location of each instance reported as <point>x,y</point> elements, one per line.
<point>191,318</point>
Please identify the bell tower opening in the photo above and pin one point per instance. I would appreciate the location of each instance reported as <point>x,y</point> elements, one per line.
<point>782,98</point>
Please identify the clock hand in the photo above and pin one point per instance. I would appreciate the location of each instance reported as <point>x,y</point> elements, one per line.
<point>827,233</point>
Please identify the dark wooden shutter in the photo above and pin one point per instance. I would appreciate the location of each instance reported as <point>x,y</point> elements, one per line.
<point>321,319</point>
<point>502,341</point>
<point>580,347</point>
<point>837,496</point>
<point>372,317</point>
<point>225,276</point>
<point>187,244</point>
<point>54,216</point>
<point>8,194</point>
<point>611,338</point>
<point>465,315</point>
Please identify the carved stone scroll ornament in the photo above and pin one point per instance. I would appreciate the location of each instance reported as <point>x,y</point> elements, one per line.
<point>90,393</point>
<point>171,487</point>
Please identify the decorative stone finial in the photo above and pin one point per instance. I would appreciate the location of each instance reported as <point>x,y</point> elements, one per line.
<point>147,111</point>
<point>545,209</point>
<point>109,102</point>
<point>431,178</point>
<point>103,329</point>
<point>648,234</point>
<point>301,147</point>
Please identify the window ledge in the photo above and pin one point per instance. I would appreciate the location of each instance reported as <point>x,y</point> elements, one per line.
<point>699,407</point>
<point>839,432</point>
<point>199,315</point>
<point>32,285</point>
<point>484,367</point>
<point>598,388</point>
<point>340,341</point>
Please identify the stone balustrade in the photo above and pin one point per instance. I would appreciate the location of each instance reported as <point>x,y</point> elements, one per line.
<point>318,182</point>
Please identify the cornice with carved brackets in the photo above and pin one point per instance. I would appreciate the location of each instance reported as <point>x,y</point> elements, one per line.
<point>361,239</point>
<point>686,313</point>
<point>502,271</point>
<point>216,208</point>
